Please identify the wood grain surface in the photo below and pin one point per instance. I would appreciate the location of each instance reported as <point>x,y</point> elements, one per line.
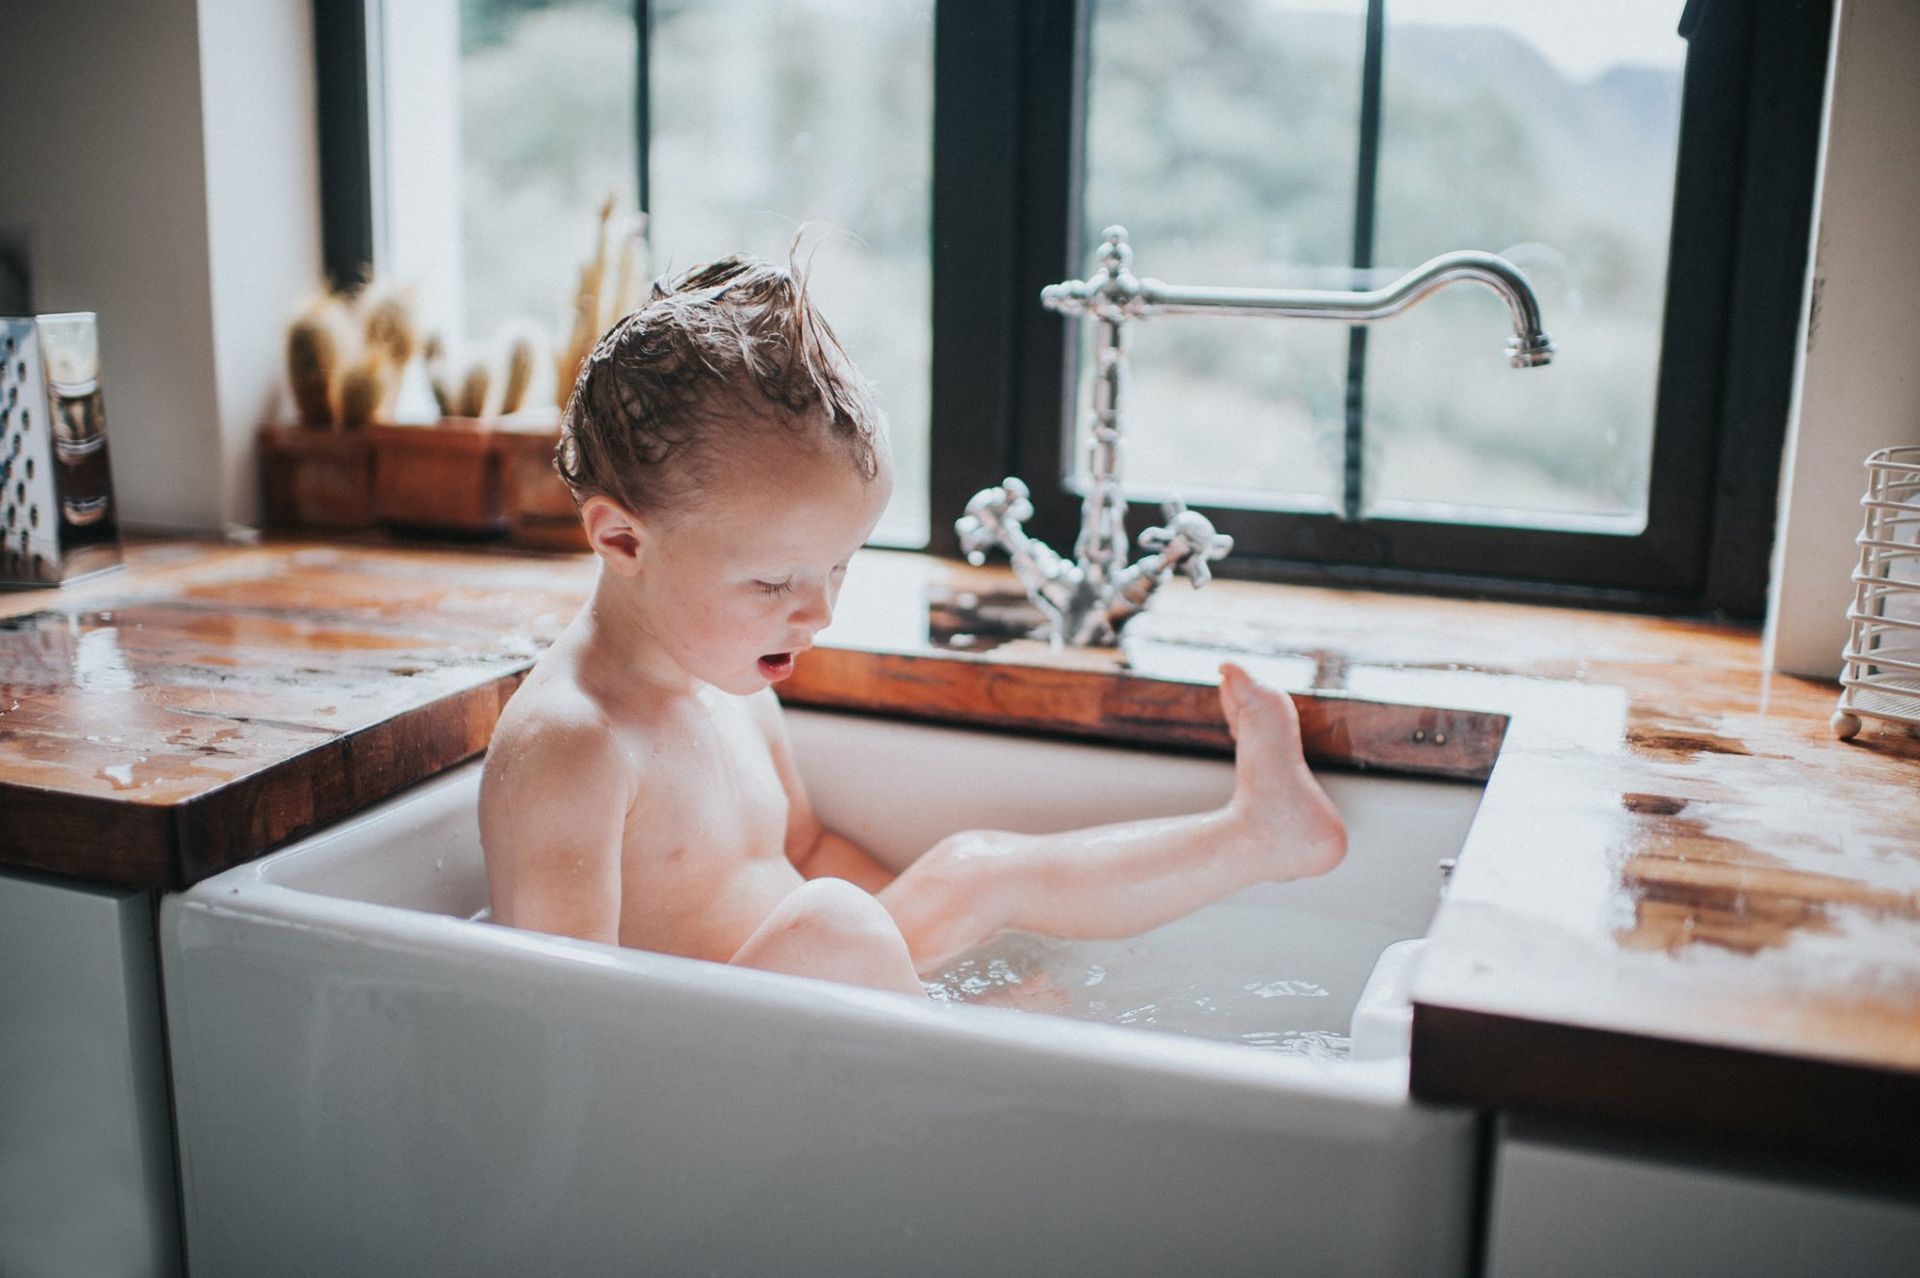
<point>1118,705</point>
<point>167,722</point>
<point>1683,905</point>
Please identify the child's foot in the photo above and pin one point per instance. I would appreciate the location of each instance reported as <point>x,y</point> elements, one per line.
<point>1289,816</point>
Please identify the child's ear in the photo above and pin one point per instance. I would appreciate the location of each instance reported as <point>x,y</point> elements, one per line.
<point>615,534</point>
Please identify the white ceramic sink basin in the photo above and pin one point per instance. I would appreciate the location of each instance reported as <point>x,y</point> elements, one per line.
<point>368,1081</point>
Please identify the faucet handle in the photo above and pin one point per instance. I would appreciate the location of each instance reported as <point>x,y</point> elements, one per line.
<point>1187,542</point>
<point>989,514</point>
<point>1019,507</point>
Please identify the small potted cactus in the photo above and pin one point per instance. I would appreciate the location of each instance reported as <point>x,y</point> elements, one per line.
<point>448,476</point>
<point>344,361</point>
<point>486,465</point>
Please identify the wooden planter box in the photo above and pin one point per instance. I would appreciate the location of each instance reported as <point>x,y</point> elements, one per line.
<point>541,510</point>
<point>446,477</point>
<point>461,476</point>
<point>316,477</point>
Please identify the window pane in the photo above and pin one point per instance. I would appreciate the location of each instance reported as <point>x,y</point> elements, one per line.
<point>1547,134</point>
<point>1224,137</point>
<point>766,116</point>
<point>546,133</point>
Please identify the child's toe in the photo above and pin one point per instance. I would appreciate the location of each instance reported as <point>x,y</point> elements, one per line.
<point>1234,683</point>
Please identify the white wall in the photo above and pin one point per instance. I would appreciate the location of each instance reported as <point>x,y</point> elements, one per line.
<point>101,160</point>
<point>162,155</point>
<point>261,134</point>
<point>1858,383</point>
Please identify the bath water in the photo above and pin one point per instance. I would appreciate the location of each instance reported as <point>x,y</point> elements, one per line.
<point>1247,970</point>
<point>1254,970</point>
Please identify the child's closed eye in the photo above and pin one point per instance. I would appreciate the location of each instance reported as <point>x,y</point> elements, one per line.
<point>775,587</point>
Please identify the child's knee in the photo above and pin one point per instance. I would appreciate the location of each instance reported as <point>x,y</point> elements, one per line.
<point>835,911</point>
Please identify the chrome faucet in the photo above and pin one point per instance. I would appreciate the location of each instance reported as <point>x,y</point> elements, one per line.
<point>1087,601</point>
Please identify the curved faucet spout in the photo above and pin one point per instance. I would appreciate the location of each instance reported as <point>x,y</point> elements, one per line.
<point>1529,347</point>
<point>1088,600</point>
<point>1114,293</point>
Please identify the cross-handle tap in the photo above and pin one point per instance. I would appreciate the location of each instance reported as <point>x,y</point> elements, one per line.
<point>1183,546</point>
<point>1186,544</point>
<point>993,517</point>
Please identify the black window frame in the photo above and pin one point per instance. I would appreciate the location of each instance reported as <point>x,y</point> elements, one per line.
<point>1007,178</point>
<point>1009,104</point>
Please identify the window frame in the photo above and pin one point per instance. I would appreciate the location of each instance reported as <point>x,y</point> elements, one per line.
<point>344,108</point>
<point>1007,179</point>
<point>1009,108</point>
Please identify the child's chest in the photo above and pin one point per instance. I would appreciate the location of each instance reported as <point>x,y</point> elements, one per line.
<point>704,854</point>
<point>710,792</point>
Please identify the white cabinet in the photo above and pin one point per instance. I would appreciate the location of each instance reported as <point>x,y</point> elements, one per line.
<point>1606,1207</point>
<point>86,1145</point>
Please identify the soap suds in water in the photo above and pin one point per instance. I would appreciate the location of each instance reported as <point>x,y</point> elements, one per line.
<point>1235,972</point>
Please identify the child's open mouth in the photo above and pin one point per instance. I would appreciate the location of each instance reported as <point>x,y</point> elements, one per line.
<point>776,665</point>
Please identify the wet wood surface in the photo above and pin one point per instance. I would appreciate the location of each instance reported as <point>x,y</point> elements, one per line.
<point>1116,704</point>
<point>1683,905</point>
<point>210,702</point>
<point>213,702</point>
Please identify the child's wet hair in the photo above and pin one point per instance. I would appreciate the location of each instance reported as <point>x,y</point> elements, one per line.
<point>725,356</point>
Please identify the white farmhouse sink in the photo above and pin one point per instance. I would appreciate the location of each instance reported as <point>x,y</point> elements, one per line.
<point>368,1081</point>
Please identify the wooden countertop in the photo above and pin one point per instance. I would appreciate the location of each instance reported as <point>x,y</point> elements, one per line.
<point>166,722</point>
<point>1683,906</point>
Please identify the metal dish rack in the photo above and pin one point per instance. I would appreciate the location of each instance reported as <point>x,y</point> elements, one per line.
<point>1881,679</point>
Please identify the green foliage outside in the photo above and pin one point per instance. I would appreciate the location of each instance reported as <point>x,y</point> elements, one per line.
<point>1224,136</point>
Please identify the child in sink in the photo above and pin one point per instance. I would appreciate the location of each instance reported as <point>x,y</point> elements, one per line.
<point>728,461</point>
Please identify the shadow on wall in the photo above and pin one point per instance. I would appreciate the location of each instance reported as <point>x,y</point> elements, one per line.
<point>16,282</point>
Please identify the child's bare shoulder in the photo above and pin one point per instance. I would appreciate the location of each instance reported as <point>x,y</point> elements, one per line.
<point>555,796</point>
<point>557,746</point>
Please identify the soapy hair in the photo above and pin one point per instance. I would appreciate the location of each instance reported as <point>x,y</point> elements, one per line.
<point>728,355</point>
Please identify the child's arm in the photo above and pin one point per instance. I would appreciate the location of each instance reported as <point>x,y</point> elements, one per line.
<point>553,805</point>
<point>817,852</point>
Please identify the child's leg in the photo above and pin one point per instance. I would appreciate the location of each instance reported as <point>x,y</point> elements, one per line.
<point>1121,880</point>
<point>832,930</point>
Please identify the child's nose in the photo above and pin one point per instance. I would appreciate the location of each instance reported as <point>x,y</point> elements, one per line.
<point>812,608</point>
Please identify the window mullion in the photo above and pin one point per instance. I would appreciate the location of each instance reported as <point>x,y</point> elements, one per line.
<point>1008,85</point>
<point>642,102</point>
<point>346,140</point>
<point>1365,187</point>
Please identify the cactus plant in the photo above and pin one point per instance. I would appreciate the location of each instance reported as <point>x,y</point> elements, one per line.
<point>314,358</point>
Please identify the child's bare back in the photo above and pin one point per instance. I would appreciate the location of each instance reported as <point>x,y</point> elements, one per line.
<point>640,789</point>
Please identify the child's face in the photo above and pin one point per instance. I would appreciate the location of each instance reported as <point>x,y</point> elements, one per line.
<point>737,585</point>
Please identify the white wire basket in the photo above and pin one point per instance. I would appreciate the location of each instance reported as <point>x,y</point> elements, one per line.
<point>1881,678</point>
